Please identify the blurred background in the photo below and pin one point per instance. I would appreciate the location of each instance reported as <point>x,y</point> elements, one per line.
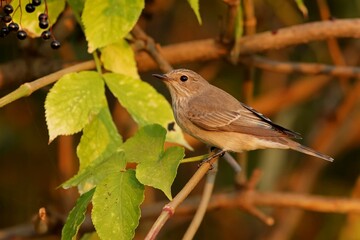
<point>323,108</point>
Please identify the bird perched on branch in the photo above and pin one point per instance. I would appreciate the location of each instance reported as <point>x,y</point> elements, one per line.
<point>218,119</point>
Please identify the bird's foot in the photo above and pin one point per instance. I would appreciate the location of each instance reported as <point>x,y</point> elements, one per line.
<point>219,153</point>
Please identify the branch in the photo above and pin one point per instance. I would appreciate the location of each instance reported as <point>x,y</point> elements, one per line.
<point>233,6</point>
<point>299,91</point>
<point>26,69</point>
<point>27,89</point>
<point>349,229</point>
<point>231,200</point>
<point>150,46</point>
<point>332,43</point>
<point>326,140</point>
<point>169,209</point>
<point>205,198</point>
<point>210,49</point>
<point>250,18</point>
<point>297,67</point>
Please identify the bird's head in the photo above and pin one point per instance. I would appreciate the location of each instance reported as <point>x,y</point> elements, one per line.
<point>183,82</point>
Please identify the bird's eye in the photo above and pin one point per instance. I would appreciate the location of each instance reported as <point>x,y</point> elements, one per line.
<point>183,78</point>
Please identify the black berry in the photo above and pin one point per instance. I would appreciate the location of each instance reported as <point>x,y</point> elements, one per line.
<point>8,9</point>
<point>30,8</point>
<point>55,44</point>
<point>7,18</point>
<point>21,34</point>
<point>46,35</point>
<point>36,2</point>
<point>44,24</point>
<point>13,27</point>
<point>4,31</point>
<point>43,17</point>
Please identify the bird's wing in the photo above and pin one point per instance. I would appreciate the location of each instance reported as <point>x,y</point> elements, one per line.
<point>225,113</point>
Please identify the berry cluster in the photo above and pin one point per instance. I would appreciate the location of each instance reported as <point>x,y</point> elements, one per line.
<point>7,24</point>
<point>5,18</point>
<point>30,7</point>
<point>46,34</point>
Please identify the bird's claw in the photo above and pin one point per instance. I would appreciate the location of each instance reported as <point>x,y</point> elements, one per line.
<point>219,154</point>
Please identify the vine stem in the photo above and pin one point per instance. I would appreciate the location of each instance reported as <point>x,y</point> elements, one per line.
<point>169,209</point>
<point>27,89</point>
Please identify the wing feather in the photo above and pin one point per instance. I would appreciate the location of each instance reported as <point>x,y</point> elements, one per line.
<point>228,114</point>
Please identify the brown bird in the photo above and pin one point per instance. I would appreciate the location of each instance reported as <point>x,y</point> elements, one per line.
<point>218,119</point>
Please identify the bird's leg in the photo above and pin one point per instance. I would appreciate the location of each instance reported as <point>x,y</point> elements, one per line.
<point>218,153</point>
<point>213,149</point>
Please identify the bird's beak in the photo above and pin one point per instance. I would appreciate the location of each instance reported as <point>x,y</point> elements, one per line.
<point>160,76</point>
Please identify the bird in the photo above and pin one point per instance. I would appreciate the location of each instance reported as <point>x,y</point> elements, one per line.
<point>217,119</point>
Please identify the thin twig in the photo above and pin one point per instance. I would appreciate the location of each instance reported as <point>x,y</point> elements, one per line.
<point>169,209</point>
<point>229,200</point>
<point>233,6</point>
<point>250,29</point>
<point>258,214</point>
<point>300,91</point>
<point>324,141</point>
<point>27,89</point>
<point>232,162</point>
<point>249,187</point>
<point>152,49</point>
<point>303,68</point>
<point>333,45</point>
<point>205,198</point>
<point>250,19</point>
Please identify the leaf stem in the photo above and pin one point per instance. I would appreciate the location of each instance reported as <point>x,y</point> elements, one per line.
<point>194,159</point>
<point>97,62</point>
<point>205,199</point>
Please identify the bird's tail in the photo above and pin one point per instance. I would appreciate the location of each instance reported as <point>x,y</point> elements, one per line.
<point>301,148</point>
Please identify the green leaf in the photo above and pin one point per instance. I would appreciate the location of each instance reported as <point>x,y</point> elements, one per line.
<point>76,216</point>
<point>72,102</point>
<point>145,104</point>
<point>196,8</point>
<point>100,139</point>
<point>116,206</point>
<point>109,21</point>
<point>119,58</point>
<point>155,168</point>
<point>90,236</point>
<point>30,22</point>
<point>161,173</point>
<point>99,169</point>
<point>98,152</point>
<point>146,145</point>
